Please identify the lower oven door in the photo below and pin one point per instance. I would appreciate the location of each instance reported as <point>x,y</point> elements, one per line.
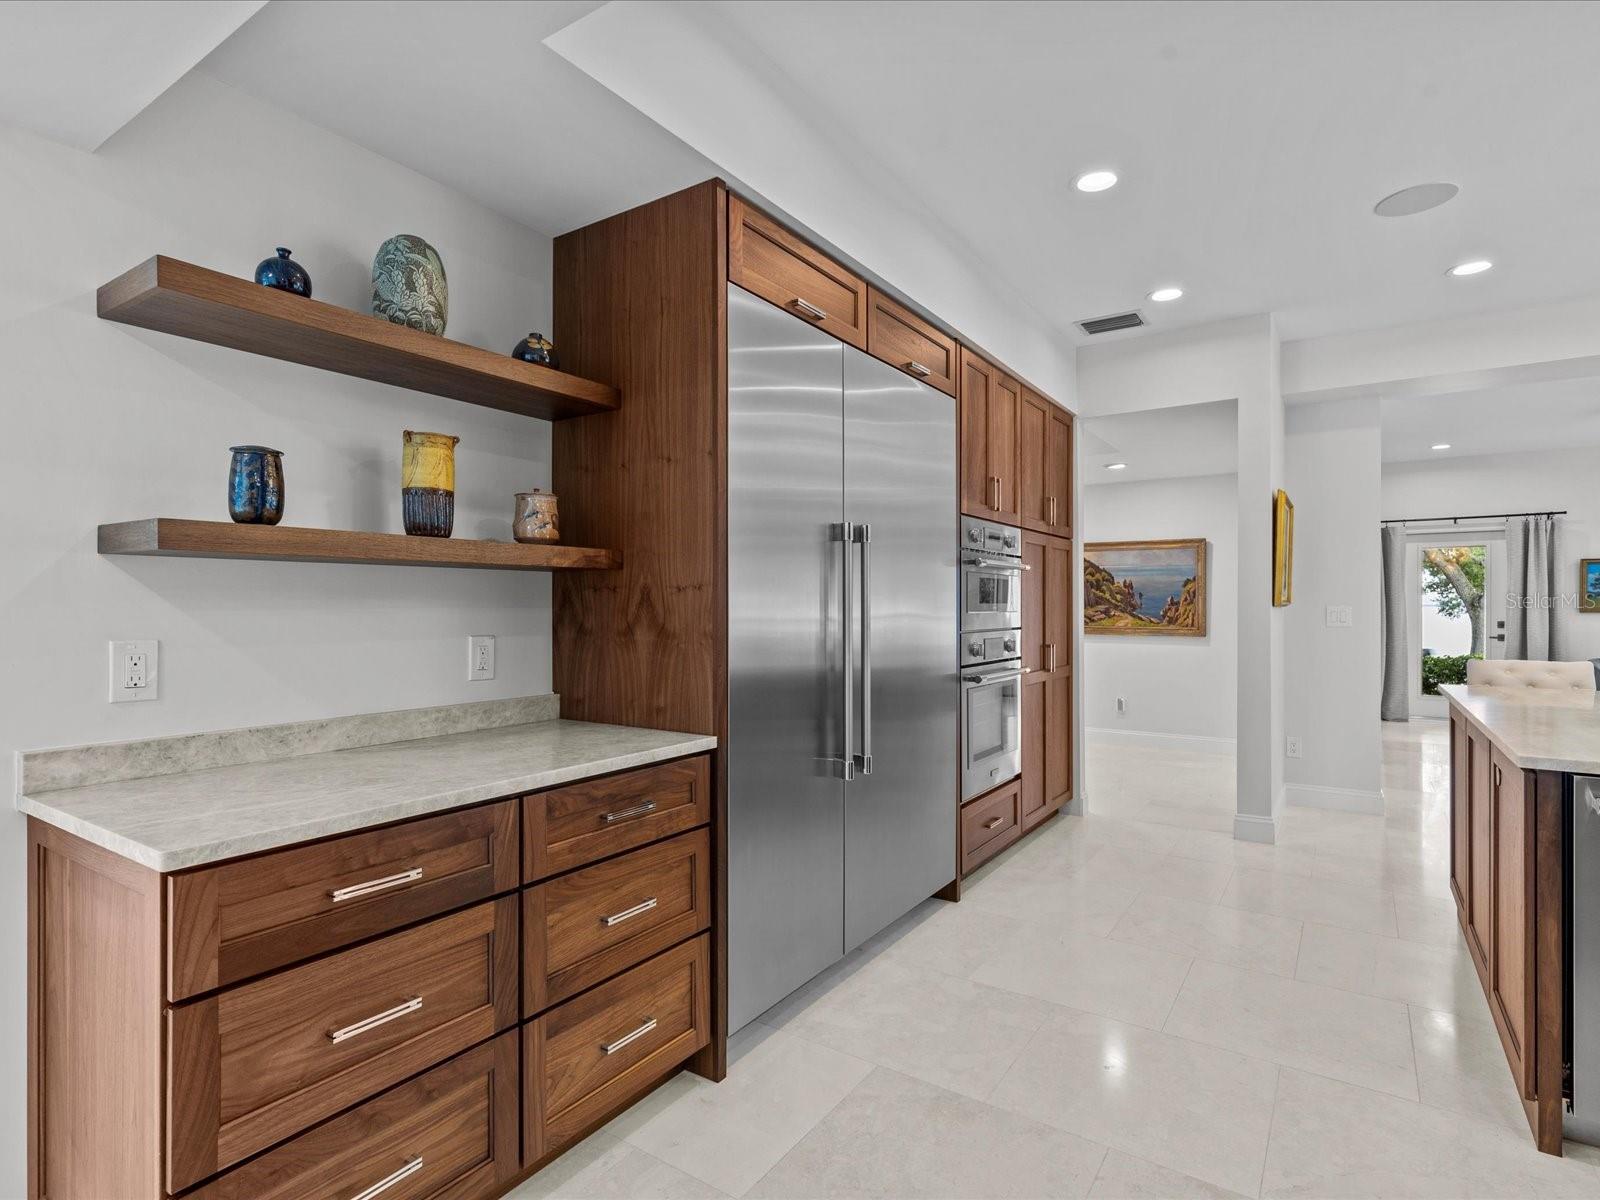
<point>991,729</point>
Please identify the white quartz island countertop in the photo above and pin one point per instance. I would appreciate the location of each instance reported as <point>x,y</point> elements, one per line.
<point>1539,729</point>
<point>171,822</point>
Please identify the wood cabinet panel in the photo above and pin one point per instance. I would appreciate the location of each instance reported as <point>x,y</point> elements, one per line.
<point>973,396</point>
<point>765,258</point>
<point>243,918</point>
<point>582,1058</point>
<point>1005,406</point>
<point>1057,740</point>
<point>1033,438</point>
<point>1033,803</point>
<point>989,824</point>
<point>1480,805</point>
<point>265,1060</point>
<point>454,1131</point>
<point>1058,472</point>
<point>1460,816</point>
<point>1511,974</point>
<point>1058,616</point>
<point>570,826</point>
<point>1035,654</point>
<point>904,340</point>
<point>581,928</point>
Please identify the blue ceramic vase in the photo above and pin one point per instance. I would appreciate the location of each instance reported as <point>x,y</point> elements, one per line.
<point>255,485</point>
<point>536,348</point>
<point>284,274</point>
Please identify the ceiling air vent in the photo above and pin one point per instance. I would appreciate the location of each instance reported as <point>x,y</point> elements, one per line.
<point>1127,320</point>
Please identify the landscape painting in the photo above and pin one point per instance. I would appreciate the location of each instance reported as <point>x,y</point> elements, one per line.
<point>1145,588</point>
<point>1589,583</point>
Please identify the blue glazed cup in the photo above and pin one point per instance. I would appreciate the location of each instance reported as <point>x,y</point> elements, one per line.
<point>255,485</point>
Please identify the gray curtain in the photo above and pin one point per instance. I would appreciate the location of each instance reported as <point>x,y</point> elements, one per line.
<point>1396,705</point>
<point>1532,593</point>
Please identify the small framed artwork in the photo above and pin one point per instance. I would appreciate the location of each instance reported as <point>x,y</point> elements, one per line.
<point>1282,549</point>
<point>1145,588</point>
<point>1589,585</point>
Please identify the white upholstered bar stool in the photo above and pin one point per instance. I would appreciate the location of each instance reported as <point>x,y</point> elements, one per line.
<point>1524,672</point>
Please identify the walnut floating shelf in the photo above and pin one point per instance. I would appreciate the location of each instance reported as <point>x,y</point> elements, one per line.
<point>177,297</point>
<point>172,538</point>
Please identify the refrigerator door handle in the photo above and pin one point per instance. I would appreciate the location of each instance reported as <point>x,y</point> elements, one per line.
<point>844,534</point>
<point>863,535</point>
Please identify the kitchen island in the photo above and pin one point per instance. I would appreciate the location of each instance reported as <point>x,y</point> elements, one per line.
<point>1517,757</point>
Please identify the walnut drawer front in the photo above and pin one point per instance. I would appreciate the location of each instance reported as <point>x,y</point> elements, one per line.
<point>255,1064</point>
<point>240,919</point>
<point>451,1134</point>
<point>581,928</point>
<point>572,826</point>
<point>904,340</point>
<point>589,1055</point>
<point>989,824</point>
<point>765,258</point>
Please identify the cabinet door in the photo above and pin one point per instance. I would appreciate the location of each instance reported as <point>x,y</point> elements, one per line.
<point>1057,740</point>
<point>1034,654</point>
<point>1005,404</point>
<point>1511,971</point>
<point>977,482</point>
<point>1035,742</point>
<point>1058,472</point>
<point>1033,460</point>
<point>1460,818</point>
<point>765,258</point>
<point>1480,856</point>
<point>1057,605</point>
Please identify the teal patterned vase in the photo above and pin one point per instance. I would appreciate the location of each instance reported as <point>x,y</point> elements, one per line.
<point>408,284</point>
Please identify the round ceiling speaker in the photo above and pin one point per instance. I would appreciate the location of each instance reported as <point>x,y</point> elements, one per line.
<point>1409,201</point>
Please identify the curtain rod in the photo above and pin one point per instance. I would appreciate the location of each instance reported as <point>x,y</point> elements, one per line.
<point>1554,512</point>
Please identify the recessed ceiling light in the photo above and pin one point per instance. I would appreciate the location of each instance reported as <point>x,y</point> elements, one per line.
<point>1095,181</point>
<point>1162,295</point>
<point>1116,466</point>
<point>1440,446</point>
<point>1476,267</point>
<point>1412,200</point>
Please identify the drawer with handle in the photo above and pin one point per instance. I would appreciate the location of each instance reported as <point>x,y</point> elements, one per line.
<point>765,258</point>
<point>571,826</point>
<point>243,918</point>
<point>904,340</point>
<point>584,1058</point>
<point>989,824</point>
<point>257,1063</point>
<point>450,1134</point>
<point>583,927</point>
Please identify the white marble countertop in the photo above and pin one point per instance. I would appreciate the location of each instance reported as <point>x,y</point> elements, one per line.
<point>170,822</point>
<point>1539,729</point>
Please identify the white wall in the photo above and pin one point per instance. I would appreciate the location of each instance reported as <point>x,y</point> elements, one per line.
<point>1546,479</point>
<point>105,422</point>
<point>1173,685</point>
<point>1332,676</point>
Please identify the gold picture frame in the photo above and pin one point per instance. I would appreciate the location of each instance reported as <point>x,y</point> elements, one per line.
<point>1282,549</point>
<point>1113,604</point>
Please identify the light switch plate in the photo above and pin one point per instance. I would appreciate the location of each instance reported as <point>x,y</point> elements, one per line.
<point>135,671</point>
<point>1340,616</point>
<point>480,656</point>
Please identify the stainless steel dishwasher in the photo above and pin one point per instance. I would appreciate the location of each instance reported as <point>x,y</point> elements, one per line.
<point>1582,1123</point>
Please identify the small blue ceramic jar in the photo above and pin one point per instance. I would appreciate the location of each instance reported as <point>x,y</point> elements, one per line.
<point>284,274</point>
<point>255,485</point>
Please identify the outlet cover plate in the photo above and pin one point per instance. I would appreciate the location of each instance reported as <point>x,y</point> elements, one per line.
<point>135,671</point>
<point>480,656</point>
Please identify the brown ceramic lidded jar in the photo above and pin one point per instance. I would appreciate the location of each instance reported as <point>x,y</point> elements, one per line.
<point>535,517</point>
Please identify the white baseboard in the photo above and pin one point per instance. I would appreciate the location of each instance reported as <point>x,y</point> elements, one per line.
<point>1310,795</point>
<point>1171,741</point>
<point>1247,827</point>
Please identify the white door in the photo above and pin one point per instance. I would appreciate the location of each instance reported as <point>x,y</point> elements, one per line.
<point>1456,610</point>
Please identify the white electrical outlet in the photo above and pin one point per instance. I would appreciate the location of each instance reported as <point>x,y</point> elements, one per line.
<point>1291,747</point>
<point>135,671</point>
<point>1340,616</point>
<point>480,656</point>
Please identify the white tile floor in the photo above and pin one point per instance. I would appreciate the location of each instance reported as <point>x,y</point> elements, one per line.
<point>1130,1004</point>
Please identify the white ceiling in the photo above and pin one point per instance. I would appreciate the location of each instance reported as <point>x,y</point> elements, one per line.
<point>1563,413</point>
<point>467,94</point>
<point>1162,443</point>
<point>77,73</point>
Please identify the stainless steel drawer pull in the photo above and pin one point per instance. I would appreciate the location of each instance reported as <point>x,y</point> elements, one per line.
<point>810,311</point>
<point>375,885</point>
<point>625,1039</point>
<point>638,810</point>
<point>992,822</point>
<point>388,1181</point>
<point>917,369</point>
<point>628,913</point>
<point>372,1022</point>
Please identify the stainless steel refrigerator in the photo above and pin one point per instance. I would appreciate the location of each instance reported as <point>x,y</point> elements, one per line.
<point>843,694</point>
